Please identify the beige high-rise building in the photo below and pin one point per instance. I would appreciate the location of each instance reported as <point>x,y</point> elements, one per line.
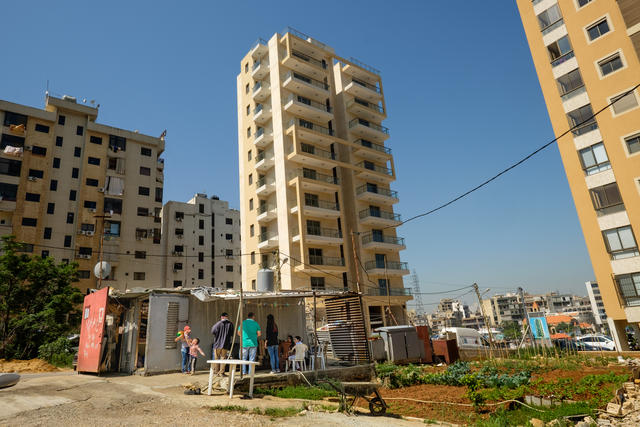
<point>586,56</point>
<point>60,171</point>
<point>316,174</point>
<point>201,239</point>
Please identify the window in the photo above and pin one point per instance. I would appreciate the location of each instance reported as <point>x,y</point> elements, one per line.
<point>200,256</point>
<point>177,266</point>
<point>560,51</point>
<point>246,88</point>
<point>143,212</point>
<point>84,274</point>
<point>112,205</point>
<point>228,221</point>
<point>200,208</point>
<point>158,194</point>
<point>229,268</point>
<point>229,253</point>
<point>44,254</point>
<point>315,256</point>
<point>621,242</point>
<point>79,130</point>
<point>200,274</point>
<point>201,240</point>
<point>138,275</point>
<point>606,196</point>
<point>77,151</point>
<point>117,143</point>
<point>47,233</point>
<point>250,204</point>
<point>92,182</point>
<point>629,286</point>
<point>569,82</point>
<point>177,284</point>
<point>14,119</point>
<point>253,284</point>
<point>51,207</point>
<point>246,67</point>
<point>549,17</point>
<point>583,2</point>
<point>42,128</point>
<point>32,197</point>
<point>67,241</point>
<point>69,217</point>
<point>311,200</point>
<point>229,236</point>
<point>633,143</point>
<point>72,195</point>
<point>61,120</point>
<point>582,120</point>
<point>250,179</point>
<point>313,227</point>
<point>179,216</point>
<point>248,109</point>
<point>36,173</point>
<point>144,151</point>
<point>58,141</point>
<point>93,161</point>
<point>599,29</point>
<point>251,230</point>
<point>624,102</point>
<point>178,248</point>
<point>95,140</point>
<point>140,255</point>
<point>29,222</point>
<point>248,131</point>
<point>53,185</point>
<point>229,285</point>
<point>253,258</point>
<point>75,172</point>
<point>594,159</point>
<point>179,232</point>
<point>317,283</point>
<point>201,224</point>
<point>11,140</point>
<point>249,155</point>
<point>38,151</point>
<point>610,64</point>
<point>145,171</point>
<point>143,191</point>
<point>56,163</point>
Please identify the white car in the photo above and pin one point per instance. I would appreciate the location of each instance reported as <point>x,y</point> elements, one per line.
<point>597,342</point>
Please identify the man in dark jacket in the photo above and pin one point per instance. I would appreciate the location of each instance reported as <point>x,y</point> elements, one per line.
<point>222,333</point>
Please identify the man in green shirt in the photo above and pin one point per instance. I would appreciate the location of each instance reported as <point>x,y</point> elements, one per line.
<point>250,333</point>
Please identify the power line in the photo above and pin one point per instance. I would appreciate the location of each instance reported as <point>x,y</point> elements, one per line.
<point>516,164</point>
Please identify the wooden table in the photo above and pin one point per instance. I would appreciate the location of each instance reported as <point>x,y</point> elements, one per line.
<point>233,363</point>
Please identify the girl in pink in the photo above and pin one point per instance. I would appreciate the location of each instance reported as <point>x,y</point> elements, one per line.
<point>194,348</point>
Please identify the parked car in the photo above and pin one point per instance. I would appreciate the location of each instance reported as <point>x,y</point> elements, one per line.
<point>597,342</point>
<point>568,344</point>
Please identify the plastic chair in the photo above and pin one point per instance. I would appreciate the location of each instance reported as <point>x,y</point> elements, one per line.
<point>320,353</point>
<point>299,358</point>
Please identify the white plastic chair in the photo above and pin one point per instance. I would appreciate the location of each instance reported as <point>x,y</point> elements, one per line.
<point>321,351</point>
<point>299,358</point>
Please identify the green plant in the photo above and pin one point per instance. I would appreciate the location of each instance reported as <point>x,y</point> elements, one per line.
<point>473,383</point>
<point>522,415</point>
<point>298,392</point>
<point>58,352</point>
<point>229,408</point>
<point>278,412</point>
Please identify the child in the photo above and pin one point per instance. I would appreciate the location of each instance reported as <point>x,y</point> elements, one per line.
<point>194,348</point>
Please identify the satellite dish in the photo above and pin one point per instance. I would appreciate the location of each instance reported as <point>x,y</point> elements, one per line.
<point>102,270</point>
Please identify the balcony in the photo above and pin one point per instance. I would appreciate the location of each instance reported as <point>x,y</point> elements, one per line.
<point>262,113</point>
<point>311,132</point>
<point>393,291</point>
<point>264,161</point>
<point>258,49</point>
<point>379,218</point>
<point>382,243</point>
<point>372,151</point>
<point>319,209</point>
<point>260,91</point>
<point>310,155</point>
<point>266,213</point>
<point>319,236</point>
<point>160,164</point>
<point>314,181</point>
<point>392,268</point>
<point>299,61</point>
<point>260,69</point>
<point>324,263</point>
<point>306,86</point>
<point>367,130</point>
<point>361,71</point>
<point>305,107</point>
<point>372,172</point>
<point>262,137</point>
<point>268,240</point>
<point>374,194</point>
<point>264,187</point>
<point>585,128</point>
<point>363,90</point>
<point>366,110</point>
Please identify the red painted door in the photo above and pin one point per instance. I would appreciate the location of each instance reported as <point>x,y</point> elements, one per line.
<point>92,330</point>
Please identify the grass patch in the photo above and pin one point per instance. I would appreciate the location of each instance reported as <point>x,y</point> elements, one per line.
<point>298,392</point>
<point>521,416</point>
<point>229,408</point>
<point>278,412</point>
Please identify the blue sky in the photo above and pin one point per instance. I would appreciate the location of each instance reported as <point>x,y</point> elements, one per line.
<point>462,96</point>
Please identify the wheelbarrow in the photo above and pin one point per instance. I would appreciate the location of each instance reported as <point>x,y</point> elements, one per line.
<point>351,391</point>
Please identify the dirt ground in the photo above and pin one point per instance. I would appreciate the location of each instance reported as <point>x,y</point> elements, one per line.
<point>31,366</point>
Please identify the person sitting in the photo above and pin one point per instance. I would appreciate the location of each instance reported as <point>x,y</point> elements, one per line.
<point>299,350</point>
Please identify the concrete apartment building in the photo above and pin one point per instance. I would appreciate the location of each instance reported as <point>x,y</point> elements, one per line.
<point>61,170</point>
<point>201,240</point>
<point>315,173</point>
<point>597,306</point>
<point>586,55</point>
<point>501,309</point>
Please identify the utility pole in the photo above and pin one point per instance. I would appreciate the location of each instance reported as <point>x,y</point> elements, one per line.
<point>526,315</point>
<point>386,279</point>
<point>484,316</point>
<point>355,259</point>
<point>101,246</point>
<point>240,353</point>
<point>417,298</point>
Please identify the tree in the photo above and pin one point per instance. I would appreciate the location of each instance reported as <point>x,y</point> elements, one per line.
<point>564,327</point>
<point>511,331</point>
<point>38,303</point>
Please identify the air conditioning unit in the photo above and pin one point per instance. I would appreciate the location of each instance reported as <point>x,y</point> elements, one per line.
<point>81,231</point>
<point>31,178</point>
<point>90,233</point>
<point>84,256</point>
<point>92,210</point>
<point>179,219</point>
<point>101,189</point>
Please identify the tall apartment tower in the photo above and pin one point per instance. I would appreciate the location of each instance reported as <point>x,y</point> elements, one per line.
<point>201,240</point>
<point>315,174</point>
<point>586,56</point>
<point>61,172</point>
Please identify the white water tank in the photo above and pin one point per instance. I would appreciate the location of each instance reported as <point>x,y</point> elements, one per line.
<point>265,280</point>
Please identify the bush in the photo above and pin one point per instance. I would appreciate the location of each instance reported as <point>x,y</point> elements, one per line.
<point>298,392</point>
<point>58,352</point>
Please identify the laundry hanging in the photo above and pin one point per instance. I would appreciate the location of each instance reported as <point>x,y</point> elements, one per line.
<point>115,186</point>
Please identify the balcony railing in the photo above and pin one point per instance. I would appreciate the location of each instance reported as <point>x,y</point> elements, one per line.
<point>311,149</point>
<point>311,126</point>
<point>364,66</point>
<point>585,128</point>
<point>379,128</point>
<point>261,156</point>
<point>259,85</point>
<point>366,104</point>
<point>392,291</point>
<point>312,174</point>
<point>257,65</point>
<point>308,80</point>
<point>324,232</point>
<point>258,108</point>
<point>375,168</point>
<point>308,59</point>
<point>258,42</point>
<point>307,101</point>
<point>365,213</point>
<point>564,58</point>
<point>382,191</point>
<point>263,181</point>
<point>365,84</point>
<point>390,265</point>
<point>263,237</point>
<point>392,240</point>
<point>574,92</point>
<point>325,260</point>
<point>264,208</point>
<point>322,204</point>
<point>373,146</point>
<point>304,37</point>
<point>552,27</point>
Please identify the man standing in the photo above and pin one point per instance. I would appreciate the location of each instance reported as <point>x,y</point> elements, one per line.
<point>250,333</point>
<point>222,333</point>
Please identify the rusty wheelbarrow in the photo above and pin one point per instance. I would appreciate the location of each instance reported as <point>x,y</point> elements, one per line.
<point>351,391</point>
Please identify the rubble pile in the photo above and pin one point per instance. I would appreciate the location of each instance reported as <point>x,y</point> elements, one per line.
<point>624,410</point>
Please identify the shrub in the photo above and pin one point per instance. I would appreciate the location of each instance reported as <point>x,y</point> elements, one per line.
<point>58,352</point>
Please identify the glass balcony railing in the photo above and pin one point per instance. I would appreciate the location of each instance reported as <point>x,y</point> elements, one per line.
<point>256,65</point>
<point>392,291</point>
<point>257,43</point>
<point>552,27</point>
<point>311,149</point>
<point>322,204</point>
<point>325,260</point>
<point>263,181</point>
<point>260,85</point>
<point>379,128</point>
<point>309,59</point>
<point>390,265</point>
<point>261,156</point>
<point>258,109</point>
<point>263,237</point>
<point>375,213</point>
<point>365,84</point>
<point>375,190</point>
<point>375,168</point>
<point>324,232</point>
<point>371,106</point>
<point>564,58</point>
<point>264,208</point>
<point>310,103</point>
<point>381,238</point>
<point>373,146</point>
<point>311,126</point>
<point>307,80</point>
<point>585,128</point>
<point>316,176</point>
<point>573,93</point>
